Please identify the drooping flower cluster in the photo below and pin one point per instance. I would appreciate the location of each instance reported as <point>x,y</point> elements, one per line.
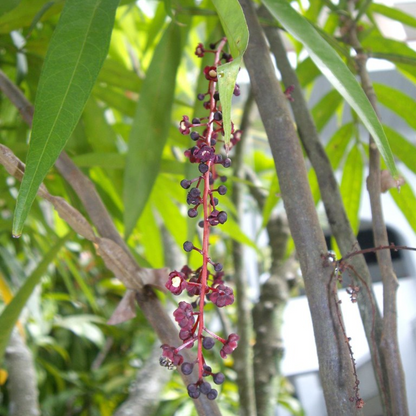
<point>206,282</point>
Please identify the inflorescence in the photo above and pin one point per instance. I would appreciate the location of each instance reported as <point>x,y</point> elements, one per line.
<point>206,282</point>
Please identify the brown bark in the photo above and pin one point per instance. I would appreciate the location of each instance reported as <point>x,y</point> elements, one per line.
<point>334,361</point>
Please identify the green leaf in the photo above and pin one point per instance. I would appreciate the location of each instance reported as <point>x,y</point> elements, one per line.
<point>399,102</point>
<point>7,5</point>
<point>406,201</point>
<point>75,56</point>
<point>235,27</point>
<point>11,312</point>
<point>402,148</point>
<point>115,74</point>
<point>115,99</point>
<point>323,111</point>
<point>271,200</point>
<point>351,186</point>
<point>307,71</point>
<point>335,149</point>
<point>393,13</point>
<point>151,126</point>
<point>335,71</point>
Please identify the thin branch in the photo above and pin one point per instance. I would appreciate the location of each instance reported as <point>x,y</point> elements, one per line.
<point>244,353</point>
<point>330,194</point>
<point>335,366</point>
<point>389,339</point>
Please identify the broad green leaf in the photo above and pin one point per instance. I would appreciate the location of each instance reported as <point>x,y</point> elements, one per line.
<point>271,200</point>
<point>335,71</point>
<point>115,99</point>
<point>351,186</point>
<point>307,71</point>
<point>335,149</point>
<point>7,5</point>
<point>11,312</point>
<point>394,14</point>
<point>151,237</point>
<point>76,53</point>
<point>156,25</point>
<point>151,126</point>
<point>399,102</point>
<point>323,111</point>
<point>396,51</point>
<point>234,24</point>
<point>24,13</point>
<point>406,201</point>
<point>117,75</point>
<point>402,148</point>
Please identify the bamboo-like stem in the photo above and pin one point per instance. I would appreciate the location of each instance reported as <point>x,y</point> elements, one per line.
<point>334,361</point>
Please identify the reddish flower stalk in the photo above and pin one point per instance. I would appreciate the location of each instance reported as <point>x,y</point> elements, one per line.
<point>204,283</point>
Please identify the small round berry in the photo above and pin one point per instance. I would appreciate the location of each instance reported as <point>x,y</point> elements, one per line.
<point>201,224</point>
<point>193,391</point>
<point>185,183</point>
<point>212,394</point>
<point>212,45</point>
<point>218,159</point>
<point>227,162</point>
<point>218,267</point>
<point>226,56</point>
<point>194,135</point>
<point>207,371</point>
<point>188,246</point>
<point>217,96</point>
<point>223,178</point>
<point>213,142</point>
<point>203,168</point>
<point>201,97</point>
<point>208,343</point>
<point>192,212</point>
<point>218,116</point>
<point>205,387</point>
<point>222,218</point>
<point>196,121</point>
<point>215,201</point>
<point>194,192</point>
<point>222,190</point>
<point>187,369</point>
<point>218,378</point>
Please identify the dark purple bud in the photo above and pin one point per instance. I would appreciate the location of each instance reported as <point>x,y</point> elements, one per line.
<point>203,168</point>
<point>217,96</point>
<point>218,116</point>
<point>187,369</point>
<point>194,135</point>
<point>223,178</point>
<point>222,218</point>
<point>188,246</point>
<point>218,267</point>
<point>212,394</point>
<point>192,213</point>
<point>218,378</point>
<point>185,183</point>
<point>205,387</point>
<point>196,121</point>
<point>201,97</point>
<point>222,190</point>
<point>227,162</point>
<point>208,343</point>
<point>237,91</point>
<point>201,224</point>
<point>193,391</point>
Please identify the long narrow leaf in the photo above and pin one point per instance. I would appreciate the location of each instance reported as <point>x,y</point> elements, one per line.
<point>235,27</point>
<point>323,111</point>
<point>335,71</point>
<point>393,13</point>
<point>351,186</point>
<point>151,126</point>
<point>75,56</point>
<point>11,312</point>
<point>406,201</point>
